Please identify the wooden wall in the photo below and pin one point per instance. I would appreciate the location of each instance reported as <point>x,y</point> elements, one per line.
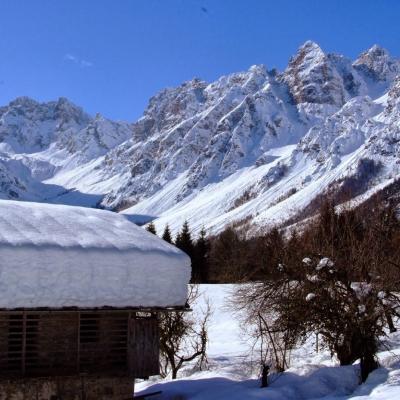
<point>67,388</point>
<point>144,345</point>
<point>60,343</point>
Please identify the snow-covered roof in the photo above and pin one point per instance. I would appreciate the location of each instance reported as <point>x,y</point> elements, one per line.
<point>61,256</point>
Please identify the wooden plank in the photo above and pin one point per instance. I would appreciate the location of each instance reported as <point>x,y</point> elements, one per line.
<point>78,357</point>
<point>110,310</point>
<point>143,349</point>
<point>49,343</point>
<point>23,343</point>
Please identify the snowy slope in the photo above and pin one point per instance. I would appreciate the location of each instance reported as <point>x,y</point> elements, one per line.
<point>58,256</point>
<point>259,144</point>
<point>233,368</point>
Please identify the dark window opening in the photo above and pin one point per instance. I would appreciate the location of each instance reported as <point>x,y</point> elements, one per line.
<point>22,354</point>
<point>31,342</point>
<point>119,343</point>
<point>35,344</point>
<point>103,342</point>
<point>89,328</point>
<point>15,342</point>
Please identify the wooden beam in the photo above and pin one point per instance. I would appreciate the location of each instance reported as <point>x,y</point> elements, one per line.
<point>23,344</point>
<point>78,355</point>
<point>40,310</point>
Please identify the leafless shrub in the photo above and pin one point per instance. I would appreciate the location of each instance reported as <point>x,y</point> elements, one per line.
<point>339,279</point>
<point>183,337</point>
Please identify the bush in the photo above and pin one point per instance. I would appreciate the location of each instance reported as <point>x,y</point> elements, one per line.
<point>183,337</point>
<point>338,279</point>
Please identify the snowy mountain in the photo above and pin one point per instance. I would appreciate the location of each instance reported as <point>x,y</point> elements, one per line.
<point>259,144</point>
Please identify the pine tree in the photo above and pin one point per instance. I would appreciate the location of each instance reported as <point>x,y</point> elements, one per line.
<point>167,234</point>
<point>151,228</point>
<point>200,262</point>
<point>184,240</point>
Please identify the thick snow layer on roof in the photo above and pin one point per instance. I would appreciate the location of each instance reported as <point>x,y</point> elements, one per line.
<point>61,256</point>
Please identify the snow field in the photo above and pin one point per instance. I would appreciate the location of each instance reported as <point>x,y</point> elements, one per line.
<point>233,374</point>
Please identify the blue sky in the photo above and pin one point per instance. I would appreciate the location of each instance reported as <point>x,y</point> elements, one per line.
<point>111,56</point>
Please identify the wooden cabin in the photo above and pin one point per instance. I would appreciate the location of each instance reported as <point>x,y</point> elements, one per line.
<point>80,295</point>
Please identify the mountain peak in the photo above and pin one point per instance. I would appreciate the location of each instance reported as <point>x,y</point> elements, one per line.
<point>308,54</point>
<point>308,51</point>
<point>312,78</point>
<point>310,46</point>
<point>377,63</point>
<point>258,69</point>
<point>377,51</point>
<point>66,104</point>
<point>63,100</point>
<point>373,54</point>
<point>23,101</point>
<point>67,110</point>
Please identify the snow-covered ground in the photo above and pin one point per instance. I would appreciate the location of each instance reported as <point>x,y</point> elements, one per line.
<point>232,372</point>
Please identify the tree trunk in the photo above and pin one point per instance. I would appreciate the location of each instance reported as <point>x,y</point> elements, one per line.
<point>264,376</point>
<point>345,355</point>
<point>389,319</point>
<point>367,364</point>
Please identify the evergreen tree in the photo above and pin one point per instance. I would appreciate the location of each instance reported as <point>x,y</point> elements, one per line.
<point>185,243</point>
<point>151,228</point>
<point>184,240</point>
<point>200,262</point>
<point>177,239</point>
<point>167,234</point>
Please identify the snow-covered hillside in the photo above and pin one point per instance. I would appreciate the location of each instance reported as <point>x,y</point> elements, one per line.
<point>233,368</point>
<point>259,144</point>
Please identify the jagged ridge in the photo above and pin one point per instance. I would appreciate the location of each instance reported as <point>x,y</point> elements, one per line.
<point>258,144</point>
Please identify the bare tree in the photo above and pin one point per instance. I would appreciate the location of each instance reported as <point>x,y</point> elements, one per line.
<point>271,345</point>
<point>183,337</point>
<point>341,283</point>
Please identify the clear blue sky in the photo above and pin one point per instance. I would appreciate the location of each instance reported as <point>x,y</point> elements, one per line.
<point>110,56</point>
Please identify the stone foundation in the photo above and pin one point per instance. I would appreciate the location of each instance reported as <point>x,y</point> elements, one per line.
<point>67,388</point>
